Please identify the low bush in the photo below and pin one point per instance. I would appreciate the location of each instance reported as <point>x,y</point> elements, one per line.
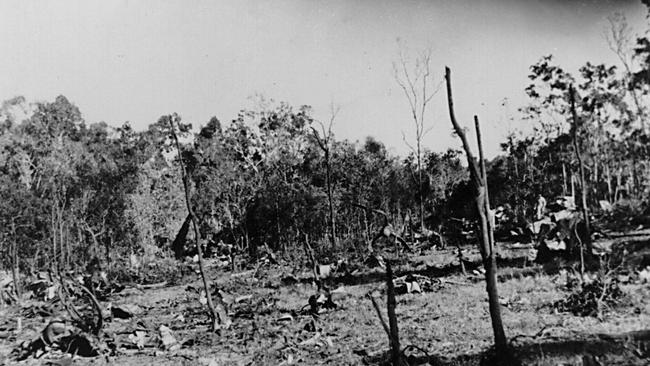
<point>591,298</point>
<point>154,270</point>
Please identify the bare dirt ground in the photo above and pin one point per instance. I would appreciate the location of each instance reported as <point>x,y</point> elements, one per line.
<point>448,325</point>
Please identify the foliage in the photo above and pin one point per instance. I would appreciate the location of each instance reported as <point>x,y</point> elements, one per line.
<point>72,192</point>
<point>589,299</point>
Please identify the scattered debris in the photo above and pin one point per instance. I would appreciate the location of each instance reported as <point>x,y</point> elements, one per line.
<point>413,283</point>
<point>479,271</point>
<point>644,275</point>
<point>320,303</point>
<point>7,290</point>
<point>125,311</point>
<point>285,318</point>
<point>167,339</point>
<point>289,280</point>
<point>59,335</point>
<point>243,298</point>
<point>605,206</point>
<point>152,286</point>
<point>375,260</point>
<point>319,341</point>
<point>138,338</point>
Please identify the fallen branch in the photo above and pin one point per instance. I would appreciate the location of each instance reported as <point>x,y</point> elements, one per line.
<point>152,286</point>
<point>444,280</point>
<point>66,296</point>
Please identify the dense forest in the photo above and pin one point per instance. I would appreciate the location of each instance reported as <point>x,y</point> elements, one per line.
<point>73,192</point>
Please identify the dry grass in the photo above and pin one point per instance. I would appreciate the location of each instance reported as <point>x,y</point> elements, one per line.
<point>451,324</point>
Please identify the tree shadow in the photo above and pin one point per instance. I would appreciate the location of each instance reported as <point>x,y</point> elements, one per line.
<point>629,348</point>
<point>516,268</point>
<point>634,346</point>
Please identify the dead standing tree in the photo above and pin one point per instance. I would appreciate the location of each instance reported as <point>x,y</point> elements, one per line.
<point>325,144</point>
<point>218,315</point>
<point>619,40</point>
<point>583,182</point>
<point>486,242</point>
<point>415,83</point>
<point>391,329</point>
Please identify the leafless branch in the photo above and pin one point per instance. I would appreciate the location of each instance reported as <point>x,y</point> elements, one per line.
<point>409,98</point>
<point>334,111</point>
<point>407,143</point>
<point>618,38</point>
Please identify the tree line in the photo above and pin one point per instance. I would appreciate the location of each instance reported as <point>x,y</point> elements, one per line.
<point>75,192</point>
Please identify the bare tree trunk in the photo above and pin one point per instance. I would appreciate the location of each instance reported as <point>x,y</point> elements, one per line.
<point>420,186</point>
<point>278,230</point>
<point>490,264</point>
<point>330,201</point>
<point>487,237</point>
<point>55,256</point>
<point>619,183</point>
<point>635,177</point>
<point>391,304</point>
<point>583,184</point>
<point>15,271</point>
<point>15,265</point>
<point>461,260</point>
<point>324,144</point>
<point>595,180</point>
<point>367,231</point>
<point>108,241</point>
<point>488,211</point>
<point>564,185</point>
<point>312,261</point>
<point>218,315</point>
<point>573,185</point>
<point>608,174</point>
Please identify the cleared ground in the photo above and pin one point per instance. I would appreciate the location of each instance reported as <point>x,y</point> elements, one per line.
<point>448,325</point>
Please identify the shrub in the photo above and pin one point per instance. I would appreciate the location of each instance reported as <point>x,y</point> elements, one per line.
<point>590,299</point>
<point>154,270</point>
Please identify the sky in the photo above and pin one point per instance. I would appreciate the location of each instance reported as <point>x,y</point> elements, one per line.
<point>127,60</point>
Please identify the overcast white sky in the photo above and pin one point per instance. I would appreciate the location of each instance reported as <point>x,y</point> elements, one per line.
<point>127,60</point>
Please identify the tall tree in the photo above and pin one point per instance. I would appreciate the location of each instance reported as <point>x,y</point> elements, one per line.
<point>325,143</point>
<point>583,182</point>
<point>415,81</point>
